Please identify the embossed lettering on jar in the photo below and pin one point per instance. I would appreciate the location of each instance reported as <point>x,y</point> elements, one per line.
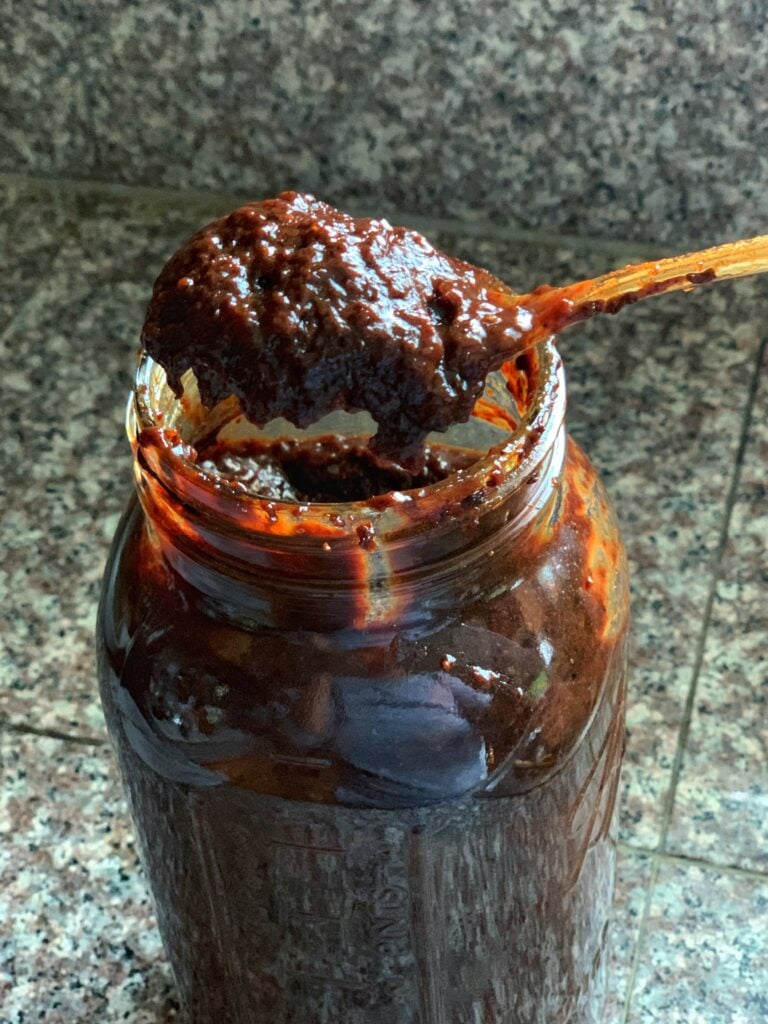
<point>372,748</point>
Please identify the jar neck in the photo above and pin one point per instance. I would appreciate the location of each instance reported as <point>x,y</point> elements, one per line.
<point>399,561</point>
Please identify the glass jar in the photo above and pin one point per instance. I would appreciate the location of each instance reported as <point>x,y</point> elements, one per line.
<point>372,749</point>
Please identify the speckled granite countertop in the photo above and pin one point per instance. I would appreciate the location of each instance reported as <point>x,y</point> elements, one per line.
<point>682,442</point>
<point>643,119</point>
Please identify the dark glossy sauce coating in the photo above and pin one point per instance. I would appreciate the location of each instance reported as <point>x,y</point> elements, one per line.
<point>324,469</point>
<point>299,309</point>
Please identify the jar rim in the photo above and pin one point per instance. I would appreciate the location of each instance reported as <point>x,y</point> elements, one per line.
<point>495,475</point>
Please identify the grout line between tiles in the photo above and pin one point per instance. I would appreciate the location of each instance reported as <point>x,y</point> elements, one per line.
<point>716,565</point>
<point>23,729</point>
<point>700,862</point>
<point>467,225</point>
<point>630,989</point>
<point>660,855</point>
<point>77,186</point>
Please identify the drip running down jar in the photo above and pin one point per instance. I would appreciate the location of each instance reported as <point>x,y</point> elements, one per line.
<point>372,747</point>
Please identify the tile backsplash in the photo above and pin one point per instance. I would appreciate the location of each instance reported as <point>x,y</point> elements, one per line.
<point>645,120</point>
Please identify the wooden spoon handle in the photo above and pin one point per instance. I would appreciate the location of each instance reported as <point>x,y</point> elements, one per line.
<point>734,259</point>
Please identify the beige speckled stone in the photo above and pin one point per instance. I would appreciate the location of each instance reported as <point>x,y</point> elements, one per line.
<point>632,880</point>
<point>705,956</point>
<point>721,806</point>
<point>65,464</point>
<point>79,940</point>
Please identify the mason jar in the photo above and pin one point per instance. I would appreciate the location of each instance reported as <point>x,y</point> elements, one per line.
<point>372,749</point>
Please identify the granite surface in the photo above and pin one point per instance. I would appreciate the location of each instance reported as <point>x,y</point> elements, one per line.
<point>705,958</point>
<point>79,941</point>
<point>644,120</point>
<point>721,802</point>
<point>670,401</point>
<point>32,224</point>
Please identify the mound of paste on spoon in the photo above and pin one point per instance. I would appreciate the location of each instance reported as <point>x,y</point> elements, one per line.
<point>298,309</point>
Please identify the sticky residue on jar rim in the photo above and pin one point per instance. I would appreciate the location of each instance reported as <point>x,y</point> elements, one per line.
<point>156,418</point>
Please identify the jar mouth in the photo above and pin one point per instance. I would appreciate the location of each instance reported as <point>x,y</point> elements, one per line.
<point>157,422</point>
